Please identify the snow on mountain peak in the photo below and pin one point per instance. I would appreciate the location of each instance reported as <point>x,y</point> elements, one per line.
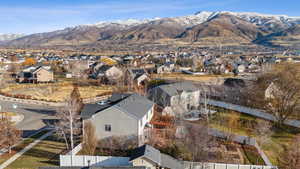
<point>124,23</point>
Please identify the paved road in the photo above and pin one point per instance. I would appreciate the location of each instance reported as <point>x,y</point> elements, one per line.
<point>35,117</point>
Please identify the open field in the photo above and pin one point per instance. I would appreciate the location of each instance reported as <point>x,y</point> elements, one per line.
<point>46,153</point>
<point>196,78</point>
<point>54,92</point>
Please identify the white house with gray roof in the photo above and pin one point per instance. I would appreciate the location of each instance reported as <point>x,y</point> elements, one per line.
<point>126,116</point>
<point>183,94</point>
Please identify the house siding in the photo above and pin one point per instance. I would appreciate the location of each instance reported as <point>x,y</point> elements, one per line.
<point>186,99</point>
<point>44,75</point>
<point>143,162</point>
<point>121,123</point>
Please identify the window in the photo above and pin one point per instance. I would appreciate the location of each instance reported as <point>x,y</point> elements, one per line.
<point>107,127</point>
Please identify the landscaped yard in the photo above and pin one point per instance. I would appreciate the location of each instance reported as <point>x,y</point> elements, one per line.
<point>55,92</point>
<point>20,146</point>
<point>246,126</point>
<point>45,153</point>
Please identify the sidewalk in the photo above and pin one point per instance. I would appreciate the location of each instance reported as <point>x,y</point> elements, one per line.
<point>252,112</point>
<point>20,153</point>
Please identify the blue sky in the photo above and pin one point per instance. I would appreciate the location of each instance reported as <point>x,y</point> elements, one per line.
<point>32,16</point>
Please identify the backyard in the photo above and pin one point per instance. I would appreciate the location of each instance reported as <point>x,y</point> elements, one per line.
<point>241,124</point>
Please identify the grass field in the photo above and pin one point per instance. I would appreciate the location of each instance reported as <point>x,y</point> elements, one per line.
<point>46,153</point>
<point>197,78</point>
<point>57,93</point>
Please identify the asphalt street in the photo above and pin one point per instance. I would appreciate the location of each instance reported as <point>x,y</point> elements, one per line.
<point>35,117</point>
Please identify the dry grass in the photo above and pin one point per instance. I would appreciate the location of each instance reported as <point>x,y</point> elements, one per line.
<point>197,78</point>
<point>58,92</point>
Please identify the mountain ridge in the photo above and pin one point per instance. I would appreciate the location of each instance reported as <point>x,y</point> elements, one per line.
<point>244,26</point>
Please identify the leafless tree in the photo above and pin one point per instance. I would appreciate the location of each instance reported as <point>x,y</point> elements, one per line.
<point>69,124</point>
<point>263,131</point>
<point>9,135</point>
<point>116,145</point>
<point>290,156</point>
<point>89,139</point>
<point>198,141</point>
<point>277,92</point>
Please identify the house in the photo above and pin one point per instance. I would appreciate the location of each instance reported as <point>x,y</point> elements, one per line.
<point>152,158</point>
<point>241,68</point>
<point>136,76</point>
<point>166,68</point>
<point>184,94</point>
<point>272,91</point>
<point>121,115</point>
<point>111,73</point>
<point>35,74</point>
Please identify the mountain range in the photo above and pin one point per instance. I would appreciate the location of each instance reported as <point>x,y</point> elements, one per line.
<point>8,37</point>
<point>208,28</point>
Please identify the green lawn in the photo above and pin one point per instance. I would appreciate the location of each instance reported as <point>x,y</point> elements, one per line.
<point>23,144</point>
<point>46,153</point>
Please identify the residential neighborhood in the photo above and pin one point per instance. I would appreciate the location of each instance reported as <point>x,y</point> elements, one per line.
<point>149,84</point>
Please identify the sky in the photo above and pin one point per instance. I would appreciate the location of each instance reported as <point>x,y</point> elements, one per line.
<point>34,16</point>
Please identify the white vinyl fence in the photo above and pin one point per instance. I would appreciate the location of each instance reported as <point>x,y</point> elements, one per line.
<point>78,160</point>
<point>191,165</point>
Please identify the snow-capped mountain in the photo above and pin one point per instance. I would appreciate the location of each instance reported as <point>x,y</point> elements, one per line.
<point>203,16</point>
<point>122,23</point>
<point>6,37</point>
<point>244,25</point>
<point>266,21</point>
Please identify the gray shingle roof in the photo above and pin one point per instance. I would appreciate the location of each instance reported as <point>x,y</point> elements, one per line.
<point>90,109</point>
<point>135,73</point>
<point>174,88</point>
<point>170,162</point>
<point>147,152</point>
<point>135,105</point>
<point>151,153</point>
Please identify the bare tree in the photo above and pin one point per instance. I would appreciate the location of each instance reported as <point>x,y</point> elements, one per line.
<point>69,123</point>
<point>277,92</point>
<point>198,141</point>
<point>290,156</point>
<point>263,131</point>
<point>89,139</point>
<point>9,135</point>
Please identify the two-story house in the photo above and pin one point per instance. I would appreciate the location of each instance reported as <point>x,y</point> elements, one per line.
<point>121,115</point>
<point>38,74</point>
